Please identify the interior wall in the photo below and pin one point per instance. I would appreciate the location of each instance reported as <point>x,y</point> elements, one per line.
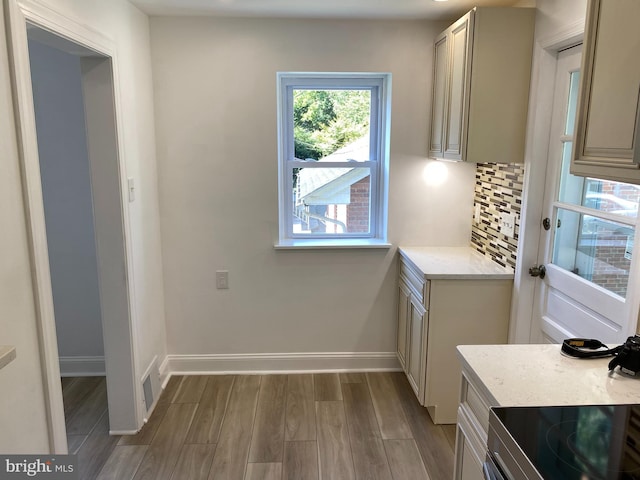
<point>23,420</point>
<point>215,97</point>
<point>66,189</point>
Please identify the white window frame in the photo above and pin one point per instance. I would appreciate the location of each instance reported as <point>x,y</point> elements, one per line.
<point>380,86</point>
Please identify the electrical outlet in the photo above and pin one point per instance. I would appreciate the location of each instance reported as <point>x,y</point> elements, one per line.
<point>222,279</point>
<point>476,213</point>
<point>507,224</point>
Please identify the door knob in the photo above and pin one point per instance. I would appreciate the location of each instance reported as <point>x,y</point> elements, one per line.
<point>538,271</point>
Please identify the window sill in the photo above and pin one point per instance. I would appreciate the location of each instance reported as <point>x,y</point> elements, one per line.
<point>331,244</point>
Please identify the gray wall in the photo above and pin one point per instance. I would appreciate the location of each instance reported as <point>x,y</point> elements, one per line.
<point>66,188</point>
<point>215,97</point>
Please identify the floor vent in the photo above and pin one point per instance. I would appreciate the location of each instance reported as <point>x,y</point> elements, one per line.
<point>148,392</point>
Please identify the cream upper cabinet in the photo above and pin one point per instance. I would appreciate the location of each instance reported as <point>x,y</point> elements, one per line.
<point>482,70</point>
<point>608,113</point>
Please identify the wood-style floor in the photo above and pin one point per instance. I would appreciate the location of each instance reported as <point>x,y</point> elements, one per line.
<point>263,427</point>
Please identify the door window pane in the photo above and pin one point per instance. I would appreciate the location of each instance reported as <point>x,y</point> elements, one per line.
<point>597,250</point>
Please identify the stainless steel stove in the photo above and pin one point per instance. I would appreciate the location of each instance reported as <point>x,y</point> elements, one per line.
<point>595,442</point>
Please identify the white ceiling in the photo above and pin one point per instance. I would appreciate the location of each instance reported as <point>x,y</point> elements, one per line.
<point>429,9</point>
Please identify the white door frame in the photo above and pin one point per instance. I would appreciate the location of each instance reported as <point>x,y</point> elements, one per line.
<point>18,14</point>
<point>522,328</point>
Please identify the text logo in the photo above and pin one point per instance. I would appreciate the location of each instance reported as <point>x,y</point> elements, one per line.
<point>51,467</point>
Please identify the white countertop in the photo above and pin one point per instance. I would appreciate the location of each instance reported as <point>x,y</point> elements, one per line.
<point>539,375</point>
<point>454,262</point>
<point>7,355</point>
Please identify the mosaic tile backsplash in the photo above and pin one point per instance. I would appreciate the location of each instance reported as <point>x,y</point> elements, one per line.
<point>498,190</point>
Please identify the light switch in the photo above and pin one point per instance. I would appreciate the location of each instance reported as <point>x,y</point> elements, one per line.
<point>131,187</point>
<point>222,279</point>
<point>476,213</point>
<point>507,224</point>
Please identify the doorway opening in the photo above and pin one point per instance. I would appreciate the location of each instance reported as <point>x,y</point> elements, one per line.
<point>65,173</point>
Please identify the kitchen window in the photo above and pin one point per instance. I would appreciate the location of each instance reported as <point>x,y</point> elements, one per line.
<point>333,131</point>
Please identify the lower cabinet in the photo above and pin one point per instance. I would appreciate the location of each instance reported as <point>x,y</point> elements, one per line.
<point>436,315</point>
<point>471,433</point>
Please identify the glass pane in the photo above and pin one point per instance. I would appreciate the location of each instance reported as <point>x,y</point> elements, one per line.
<point>602,195</point>
<point>331,200</point>
<point>595,249</point>
<point>331,125</point>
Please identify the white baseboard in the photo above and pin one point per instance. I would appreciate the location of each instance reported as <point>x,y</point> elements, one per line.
<point>82,366</point>
<point>123,432</point>
<point>264,363</point>
<point>165,373</point>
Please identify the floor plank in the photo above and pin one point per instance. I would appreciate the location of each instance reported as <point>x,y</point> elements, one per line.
<point>96,449</point>
<point>300,415</point>
<point>83,418</point>
<point>208,420</point>
<point>334,452</point>
<point>75,391</point>
<point>352,377</point>
<point>300,461</point>
<point>194,462</point>
<point>267,443</point>
<point>191,389</point>
<point>171,388</point>
<point>327,387</point>
<point>229,462</point>
<point>163,453</point>
<point>434,448</point>
<point>149,429</point>
<point>74,442</point>
<point>391,419</point>
<point>67,382</point>
<point>123,462</point>
<point>264,471</point>
<point>369,457</point>
<point>404,460</point>
<point>450,432</point>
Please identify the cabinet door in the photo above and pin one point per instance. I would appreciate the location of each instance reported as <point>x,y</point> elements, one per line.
<point>457,107</point>
<point>469,452</point>
<point>416,354</point>
<point>608,113</point>
<point>439,95</point>
<point>403,314</point>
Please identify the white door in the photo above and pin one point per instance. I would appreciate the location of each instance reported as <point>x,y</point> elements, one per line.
<point>587,237</point>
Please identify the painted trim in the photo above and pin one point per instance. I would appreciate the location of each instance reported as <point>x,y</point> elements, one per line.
<point>568,37</point>
<point>165,374</point>
<point>18,13</point>
<point>82,366</point>
<point>282,363</point>
<point>34,211</point>
<point>149,368</point>
<point>123,432</point>
<point>524,328</point>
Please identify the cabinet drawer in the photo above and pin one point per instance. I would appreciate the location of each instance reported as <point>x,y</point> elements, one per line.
<point>477,404</point>
<point>415,282</point>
